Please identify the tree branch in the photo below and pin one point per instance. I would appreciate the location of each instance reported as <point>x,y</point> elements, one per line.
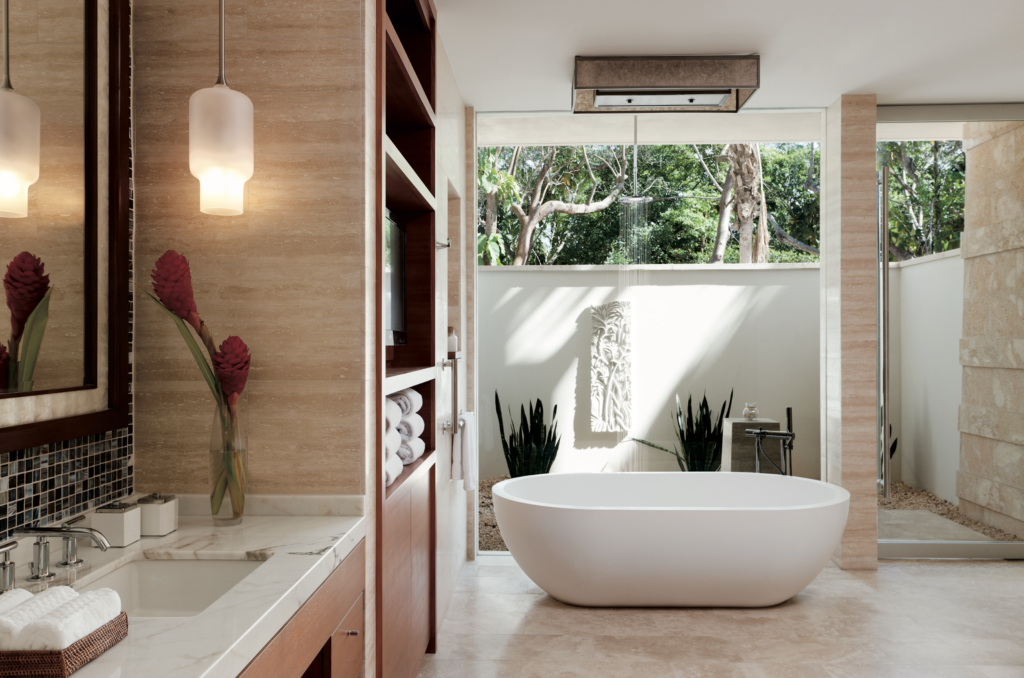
<point>705,166</point>
<point>790,240</point>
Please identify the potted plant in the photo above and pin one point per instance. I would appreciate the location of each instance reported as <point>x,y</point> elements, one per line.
<point>532,449</point>
<point>226,378</point>
<point>700,440</point>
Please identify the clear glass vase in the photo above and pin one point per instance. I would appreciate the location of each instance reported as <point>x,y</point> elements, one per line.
<point>229,464</point>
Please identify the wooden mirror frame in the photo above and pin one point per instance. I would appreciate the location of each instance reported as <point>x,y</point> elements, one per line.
<point>117,413</point>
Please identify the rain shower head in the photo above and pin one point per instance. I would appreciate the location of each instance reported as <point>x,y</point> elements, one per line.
<point>665,84</point>
<point>625,200</point>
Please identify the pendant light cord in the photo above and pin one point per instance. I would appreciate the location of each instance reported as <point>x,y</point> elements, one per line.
<point>6,84</point>
<point>221,80</point>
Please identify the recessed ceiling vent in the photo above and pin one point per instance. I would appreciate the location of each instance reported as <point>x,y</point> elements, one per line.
<point>704,84</point>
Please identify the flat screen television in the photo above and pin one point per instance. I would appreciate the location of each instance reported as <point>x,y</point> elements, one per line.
<point>394,282</point>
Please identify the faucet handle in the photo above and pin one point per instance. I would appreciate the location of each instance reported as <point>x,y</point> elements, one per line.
<point>7,566</point>
<point>70,554</point>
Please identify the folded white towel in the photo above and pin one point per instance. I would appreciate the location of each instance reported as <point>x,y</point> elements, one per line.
<point>70,622</point>
<point>392,469</point>
<point>392,441</point>
<point>409,400</point>
<point>392,412</point>
<point>20,616</point>
<point>12,598</point>
<point>411,426</point>
<point>411,450</point>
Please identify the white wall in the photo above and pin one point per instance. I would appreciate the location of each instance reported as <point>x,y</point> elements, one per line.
<point>930,323</point>
<point>754,329</point>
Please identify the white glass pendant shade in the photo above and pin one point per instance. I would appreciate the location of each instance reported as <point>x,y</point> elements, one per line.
<point>19,151</point>
<point>220,148</point>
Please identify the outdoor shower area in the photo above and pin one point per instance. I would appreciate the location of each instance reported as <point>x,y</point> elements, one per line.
<point>683,263</point>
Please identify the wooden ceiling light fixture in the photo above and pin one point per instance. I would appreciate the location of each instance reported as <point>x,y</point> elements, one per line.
<point>665,84</point>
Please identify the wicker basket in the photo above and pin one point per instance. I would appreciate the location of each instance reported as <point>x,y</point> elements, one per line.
<point>62,663</point>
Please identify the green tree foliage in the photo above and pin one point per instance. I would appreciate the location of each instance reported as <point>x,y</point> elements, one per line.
<point>683,217</point>
<point>926,196</point>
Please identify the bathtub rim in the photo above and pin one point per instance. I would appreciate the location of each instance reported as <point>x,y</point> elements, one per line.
<point>842,495</point>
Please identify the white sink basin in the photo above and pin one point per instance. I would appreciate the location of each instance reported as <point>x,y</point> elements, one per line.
<point>171,588</point>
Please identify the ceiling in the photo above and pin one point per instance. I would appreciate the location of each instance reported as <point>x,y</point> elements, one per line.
<point>518,55</point>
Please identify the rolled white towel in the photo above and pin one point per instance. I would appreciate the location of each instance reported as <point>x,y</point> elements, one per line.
<point>409,400</point>
<point>411,426</point>
<point>392,441</point>
<point>392,412</point>
<point>12,598</point>
<point>70,622</point>
<point>20,616</point>
<point>411,450</point>
<point>392,469</point>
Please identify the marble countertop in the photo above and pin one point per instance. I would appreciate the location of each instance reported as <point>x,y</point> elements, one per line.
<point>300,553</point>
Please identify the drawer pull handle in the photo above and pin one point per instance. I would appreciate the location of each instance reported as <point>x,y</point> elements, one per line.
<point>351,633</point>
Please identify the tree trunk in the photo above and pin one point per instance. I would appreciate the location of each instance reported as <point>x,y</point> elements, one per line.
<point>722,239</point>
<point>747,201</point>
<point>491,221</point>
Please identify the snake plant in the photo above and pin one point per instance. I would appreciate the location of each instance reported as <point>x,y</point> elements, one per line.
<point>532,449</point>
<point>700,440</point>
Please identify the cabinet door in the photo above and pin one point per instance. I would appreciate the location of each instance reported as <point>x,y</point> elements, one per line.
<point>422,565</point>
<point>396,648</point>
<point>345,652</point>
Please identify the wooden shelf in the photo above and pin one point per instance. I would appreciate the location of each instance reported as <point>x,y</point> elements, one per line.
<point>398,378</point>
<point>411,474</point>
<point>407,103</point>
<point>403,189</point>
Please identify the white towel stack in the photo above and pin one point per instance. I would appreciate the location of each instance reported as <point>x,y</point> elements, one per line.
<point>14,620</point>
<point>55,618</point>
<point>411,426</point>
<point>71,622</point>
<point>392,441</point>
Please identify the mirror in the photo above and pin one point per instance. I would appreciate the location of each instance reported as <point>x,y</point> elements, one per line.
<point>76,69</point>
<point>44,223</point>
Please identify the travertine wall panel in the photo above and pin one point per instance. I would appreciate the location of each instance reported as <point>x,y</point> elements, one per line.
<point>293,275</point>
<point>990,483</point>
<point>850,237</point>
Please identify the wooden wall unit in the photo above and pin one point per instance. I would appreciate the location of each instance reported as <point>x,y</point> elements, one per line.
<point>405,530</point>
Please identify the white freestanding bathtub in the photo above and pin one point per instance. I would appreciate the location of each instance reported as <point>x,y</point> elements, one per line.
<point>671,539</point>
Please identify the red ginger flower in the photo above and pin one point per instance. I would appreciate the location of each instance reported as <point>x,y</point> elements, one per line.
<point>25,284</point>
<point>231,363</point>
<point>5,360</point>
<point>172,282</point>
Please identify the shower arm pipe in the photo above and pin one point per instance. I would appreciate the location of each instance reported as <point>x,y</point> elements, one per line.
<point>221,79</point>
<point>6,82</point>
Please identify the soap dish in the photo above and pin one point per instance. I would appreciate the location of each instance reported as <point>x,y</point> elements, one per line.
<point>62,663</point>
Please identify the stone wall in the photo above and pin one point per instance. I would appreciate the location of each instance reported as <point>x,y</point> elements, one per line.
<point>990,483</point>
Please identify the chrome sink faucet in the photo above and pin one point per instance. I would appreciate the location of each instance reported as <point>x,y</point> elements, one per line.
<point>40,565</point>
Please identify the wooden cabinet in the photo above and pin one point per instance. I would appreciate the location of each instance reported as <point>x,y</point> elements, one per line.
<point>406,186</point>
<point>407,565</point>
<point>315,643</point>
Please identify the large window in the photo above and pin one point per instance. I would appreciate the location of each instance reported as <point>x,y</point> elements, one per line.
<point>926,196</point>
<point>649,204</point>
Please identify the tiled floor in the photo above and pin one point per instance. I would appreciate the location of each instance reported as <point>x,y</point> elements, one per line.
<point>923,526</point>
<point>913,619</point>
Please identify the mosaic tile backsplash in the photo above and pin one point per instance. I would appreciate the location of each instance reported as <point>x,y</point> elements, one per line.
<point>52,483</point>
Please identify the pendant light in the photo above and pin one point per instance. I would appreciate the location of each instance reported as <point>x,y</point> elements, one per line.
<point>220,143</point>
<point>19,139</point>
